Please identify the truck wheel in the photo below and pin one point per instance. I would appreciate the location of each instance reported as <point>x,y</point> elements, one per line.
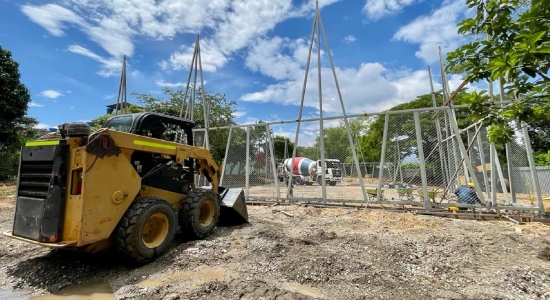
<point>199,213</point>
<point>146,230</point>
<point>298,181</point>
<point>332,183</point>
<point>320,180</point>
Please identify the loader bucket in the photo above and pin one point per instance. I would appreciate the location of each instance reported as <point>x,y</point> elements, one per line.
<point>233,209</point>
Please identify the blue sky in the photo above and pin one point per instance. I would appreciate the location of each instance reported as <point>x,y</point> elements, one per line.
<point>254,51</point>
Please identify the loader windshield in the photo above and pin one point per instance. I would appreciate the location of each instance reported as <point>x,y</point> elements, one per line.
<point>121,123</point>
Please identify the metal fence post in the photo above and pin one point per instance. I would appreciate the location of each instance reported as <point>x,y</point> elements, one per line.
<point>382,157</point>
<point>226,154</point>
<point>273,165</point>
<point>467,161</point>
<point>422,162</point>
<point>534,174</point>
<point>247,164</point>
<point>483,163</point>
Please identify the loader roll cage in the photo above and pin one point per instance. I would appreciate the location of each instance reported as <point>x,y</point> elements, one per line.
<point>154,125</point>
<point>155,170</point>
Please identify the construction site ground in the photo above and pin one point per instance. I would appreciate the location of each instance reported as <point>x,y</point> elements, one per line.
<point>297,252</point>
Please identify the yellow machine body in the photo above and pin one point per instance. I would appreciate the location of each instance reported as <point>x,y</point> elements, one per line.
<point>98,183</point>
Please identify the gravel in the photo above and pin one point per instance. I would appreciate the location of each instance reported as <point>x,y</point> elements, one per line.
<point>303,253</point>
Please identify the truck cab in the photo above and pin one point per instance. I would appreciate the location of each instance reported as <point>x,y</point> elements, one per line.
<point>332,169</point>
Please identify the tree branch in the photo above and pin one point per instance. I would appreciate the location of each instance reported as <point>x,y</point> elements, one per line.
<point>546,78</point>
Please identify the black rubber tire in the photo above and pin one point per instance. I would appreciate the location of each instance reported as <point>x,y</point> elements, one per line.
<point>190,211</point>
<point>320,180</point>
<point>128,237</point>
<point>332,183</point>
<point>298,181</point>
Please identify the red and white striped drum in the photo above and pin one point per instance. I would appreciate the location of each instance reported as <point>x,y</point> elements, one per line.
<point>302,166</point>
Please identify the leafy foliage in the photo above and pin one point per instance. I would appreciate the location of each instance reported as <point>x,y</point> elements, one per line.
<point>401,127</point>
<point>221,114</point>
<point>513,44</point>
<point>98,122</point>
<point>539,134</point>
<point>14,100</point>
<point>336,142</point>
<point>542,158</point>
<point>279,147</point>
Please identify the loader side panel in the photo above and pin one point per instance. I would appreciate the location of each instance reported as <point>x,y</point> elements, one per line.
<point>40,200</point>
<point>110,185</point>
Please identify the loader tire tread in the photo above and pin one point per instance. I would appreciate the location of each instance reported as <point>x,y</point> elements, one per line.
<point>189,214</point>
<point>127,243</point>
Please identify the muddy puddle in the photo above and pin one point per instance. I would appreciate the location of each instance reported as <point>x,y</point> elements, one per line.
<point>89,291</point>
<point>6,294</point>
<point>302,289</point>
<point>195,277</point>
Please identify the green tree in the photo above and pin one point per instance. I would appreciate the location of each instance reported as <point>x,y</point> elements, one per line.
<point>402,132</point>
<point>309,152</point>
<point>279,147</point>
<point>542,158</point>
<point>9,157</point>
<point>539,134</point>
<point>513,44</point>
<point>98,122</point>
<point>221,114</point>
<point>337,144</point>
<point>14,100</point>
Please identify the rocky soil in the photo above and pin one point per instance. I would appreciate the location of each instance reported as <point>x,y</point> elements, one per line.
<point>295,252</point>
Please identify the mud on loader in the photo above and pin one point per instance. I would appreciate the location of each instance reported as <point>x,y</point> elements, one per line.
<point>128,185</point>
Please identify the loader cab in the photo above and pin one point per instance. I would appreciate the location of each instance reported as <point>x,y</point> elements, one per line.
<point>155,125</point>
<point>163,127</point>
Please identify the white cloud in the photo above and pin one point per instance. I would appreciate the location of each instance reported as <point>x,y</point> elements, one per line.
<point>112,36</point>
<point>212,57</point>
<point>71,107</point>
<point>114,25</point>
<point>350,39</point>
<point>376,9</point>
<point>110,96</point>
<point>42,126</point>
<point>279,58</point>
<point>52,17</point>
<point>135,73</point>
<point>248,19</point>
<point>34,104</point>
<point>109,66</point>
<point>163,83</point>
<point>434,30</point>
<point>365,89</point>
<point>369,88</point>
<point>239,114</point>
<point>51,94</point>
<point>163,64</point>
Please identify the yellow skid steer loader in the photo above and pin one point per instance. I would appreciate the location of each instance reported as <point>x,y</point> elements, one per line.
<point>129,185</point>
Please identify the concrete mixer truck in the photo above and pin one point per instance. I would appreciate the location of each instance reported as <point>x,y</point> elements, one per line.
<point>306,171</point>
<point>302,172</point>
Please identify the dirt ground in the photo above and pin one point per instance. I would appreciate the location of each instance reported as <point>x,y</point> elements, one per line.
<point>295,252</point>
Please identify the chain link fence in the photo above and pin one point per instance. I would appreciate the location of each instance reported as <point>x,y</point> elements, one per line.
<point>417,158</point>
<point>522,181</point>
